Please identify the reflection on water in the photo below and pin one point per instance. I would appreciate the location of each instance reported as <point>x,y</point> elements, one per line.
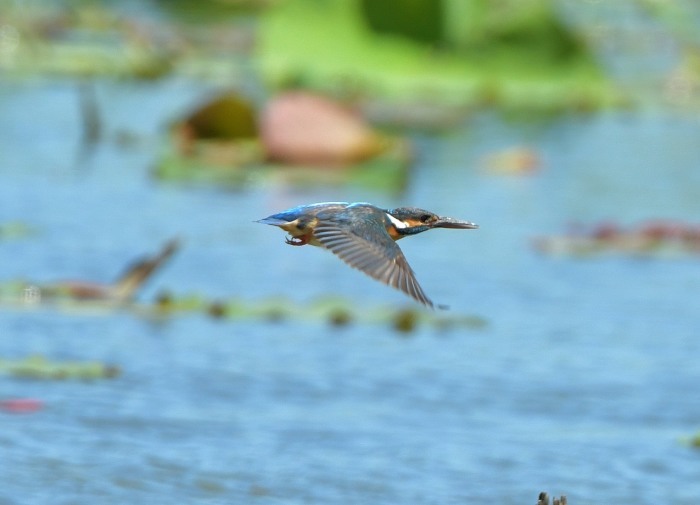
<point>580,384</point>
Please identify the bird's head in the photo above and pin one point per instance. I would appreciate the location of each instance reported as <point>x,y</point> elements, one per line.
<point>411,220</point>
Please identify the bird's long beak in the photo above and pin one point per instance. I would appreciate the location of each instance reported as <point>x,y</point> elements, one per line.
<point>448,222</point>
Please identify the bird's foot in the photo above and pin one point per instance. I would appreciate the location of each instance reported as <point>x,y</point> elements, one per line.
<point>296,240</point>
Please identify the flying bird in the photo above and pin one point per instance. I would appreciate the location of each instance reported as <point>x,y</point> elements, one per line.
<point>364,236</point>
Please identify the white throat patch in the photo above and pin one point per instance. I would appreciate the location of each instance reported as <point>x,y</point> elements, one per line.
<point>396,222</point>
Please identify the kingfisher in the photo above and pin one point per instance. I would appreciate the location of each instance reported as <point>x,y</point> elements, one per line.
<point>364,236</point>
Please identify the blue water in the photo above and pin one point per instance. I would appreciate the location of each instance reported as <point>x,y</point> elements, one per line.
<point>584,381</point>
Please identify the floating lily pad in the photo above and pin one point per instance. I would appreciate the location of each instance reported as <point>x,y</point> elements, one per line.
<point>16,292</point>
<point>654,238</point>
<point>333,311</point>
<point>516,160</point>
<point>39,367</point>
<point>304,139</point>
<point>388,171</point>
<point>301,128</point>
<point>225,117</point>
<point>15,230</point>
<point>86,41</point>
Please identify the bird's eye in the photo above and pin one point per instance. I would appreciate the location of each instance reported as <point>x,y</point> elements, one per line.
<point>425,218</point>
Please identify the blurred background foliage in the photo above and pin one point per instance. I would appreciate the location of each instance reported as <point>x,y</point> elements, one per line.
<point>536,55</point>
<point>540,55</point>
<point>508,54</point>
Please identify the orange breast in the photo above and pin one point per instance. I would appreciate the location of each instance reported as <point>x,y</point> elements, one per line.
<point>393,233</point>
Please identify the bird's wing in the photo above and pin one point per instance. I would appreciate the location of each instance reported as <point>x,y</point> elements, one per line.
<point>378,257</point>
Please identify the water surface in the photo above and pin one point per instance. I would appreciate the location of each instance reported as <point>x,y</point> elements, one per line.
<point>583,382</point>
